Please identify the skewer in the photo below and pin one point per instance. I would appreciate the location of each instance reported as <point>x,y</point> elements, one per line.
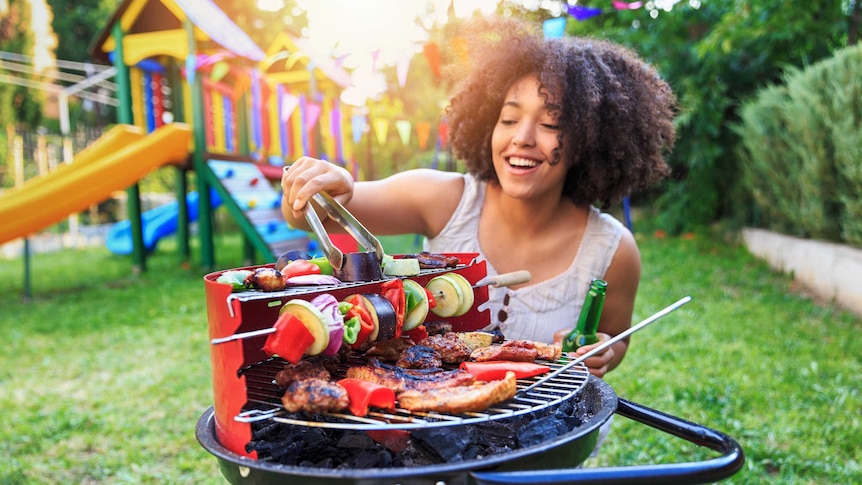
<point>505,279</point>
<point>608,343</point>
<point>238,336</point>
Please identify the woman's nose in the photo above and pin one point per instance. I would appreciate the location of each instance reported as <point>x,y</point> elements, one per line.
<point>524,136</point>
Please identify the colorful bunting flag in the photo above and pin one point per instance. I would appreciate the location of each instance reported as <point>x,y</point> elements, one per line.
<point>432,54</point>
<point>403,127</point>
<point>583,13</point>
<point>381,129</point>
<point>627,5</point>
<point>289,102</point>
<point>402,65</point>
<point>554,28</point>
<point>312,114</point>
<point>423,130</point>
<point>357,126</point>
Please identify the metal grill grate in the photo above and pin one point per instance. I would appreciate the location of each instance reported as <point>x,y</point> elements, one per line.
<point>265,396</point>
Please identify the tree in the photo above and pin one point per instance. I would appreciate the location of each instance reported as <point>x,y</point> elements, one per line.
<point>76,23</point>
<point>18,104</point>
<point>715,56</point>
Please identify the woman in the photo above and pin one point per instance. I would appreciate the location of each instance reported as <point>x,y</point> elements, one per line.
<point>547,128</point>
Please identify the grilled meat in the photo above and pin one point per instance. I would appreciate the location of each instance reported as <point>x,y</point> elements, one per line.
<point>303,369</point>
<point>390,350</point>
<point>266,279</point>
<point>452,349</point>
<point>399,379</point>
<point>476,397</point>
<point>438,328</point>
<point>419,357</point>
<point>434,260</point>
<point>545,351</point>
<point>315,396</point>
<point>498,352</point>
<point>517,351</point>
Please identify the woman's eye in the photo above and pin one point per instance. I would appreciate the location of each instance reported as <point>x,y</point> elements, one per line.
<point>551,126</point>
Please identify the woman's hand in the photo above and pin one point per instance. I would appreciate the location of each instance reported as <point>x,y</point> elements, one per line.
<point>598,364</point>
<point>308,176</point>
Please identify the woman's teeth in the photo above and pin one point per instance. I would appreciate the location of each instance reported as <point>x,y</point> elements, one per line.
<point>522,162</point>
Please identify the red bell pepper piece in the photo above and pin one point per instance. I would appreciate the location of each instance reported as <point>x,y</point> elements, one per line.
<point>417,333</point>
<point>431,301</point>
<point>290,339</point>
<point>299,267</point>
<point>363,394</point>
<point>496,369</point>
<point>393,291</point>
<point>365,320</point>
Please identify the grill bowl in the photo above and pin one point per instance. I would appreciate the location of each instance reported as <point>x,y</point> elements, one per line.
<point>597,403</point>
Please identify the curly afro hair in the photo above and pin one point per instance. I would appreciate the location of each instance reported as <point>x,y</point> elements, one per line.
<point>615,112</point>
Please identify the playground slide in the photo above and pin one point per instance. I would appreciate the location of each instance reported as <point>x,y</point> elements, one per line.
<point>43,204</point>
<point>111,141</point>
<point>157,223</point>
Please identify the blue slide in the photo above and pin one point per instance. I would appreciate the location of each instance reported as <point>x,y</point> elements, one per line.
<point>157,223</point>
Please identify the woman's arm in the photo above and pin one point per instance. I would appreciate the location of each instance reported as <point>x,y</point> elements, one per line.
<point>623,276</point>
<point>417,201</point>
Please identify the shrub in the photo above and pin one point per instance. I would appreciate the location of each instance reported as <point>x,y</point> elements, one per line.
<point>800,150</point>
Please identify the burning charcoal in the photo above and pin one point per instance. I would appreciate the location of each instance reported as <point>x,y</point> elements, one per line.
<point>446,441</point>
<point>540,431</point>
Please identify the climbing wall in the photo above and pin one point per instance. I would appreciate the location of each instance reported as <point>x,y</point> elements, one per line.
<point>253,195</point>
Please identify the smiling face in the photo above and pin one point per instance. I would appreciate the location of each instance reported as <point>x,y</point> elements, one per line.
<point>523,143</point>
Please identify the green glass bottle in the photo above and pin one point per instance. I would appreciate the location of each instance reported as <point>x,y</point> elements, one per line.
<point>588,322</point>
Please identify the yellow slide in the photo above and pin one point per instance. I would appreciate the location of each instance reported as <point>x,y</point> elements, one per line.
<point>114,162</point>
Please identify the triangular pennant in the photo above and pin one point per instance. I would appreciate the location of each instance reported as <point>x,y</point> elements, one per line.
<point>289,102</point>
<point>432,54</point>
<point>554,28</point>
<point>443,133</point>
<point>423,129</point>
<point>627,5</point>
<point>312,111</point>
<point>219,71</point>
<point>583,13</point>
<point>402,65</point>
<point>403,127</point>
<point>357,126</point>
<point>381,129</point>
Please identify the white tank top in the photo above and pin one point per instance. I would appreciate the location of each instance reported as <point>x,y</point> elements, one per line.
<point>535,311</point>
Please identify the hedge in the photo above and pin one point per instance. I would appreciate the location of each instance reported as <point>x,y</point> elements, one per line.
<point>801,150</point>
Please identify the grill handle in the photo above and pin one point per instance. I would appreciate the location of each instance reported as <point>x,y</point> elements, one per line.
<point>707,471</point>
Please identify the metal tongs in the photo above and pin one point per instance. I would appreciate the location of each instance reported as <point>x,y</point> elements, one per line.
<point>361,266</point>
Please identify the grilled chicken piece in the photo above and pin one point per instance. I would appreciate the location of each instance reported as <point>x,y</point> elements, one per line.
<point>399,379</point>
<point>419,357</point>
<point>301,370</point>
<point>266,279</point>
<point>544,351</point>
<point>452,349</point>
<point>390,350</point>
<point>461,399</point>
<point>315,396</point>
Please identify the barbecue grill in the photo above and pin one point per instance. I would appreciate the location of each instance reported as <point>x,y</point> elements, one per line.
<point>555,423</point>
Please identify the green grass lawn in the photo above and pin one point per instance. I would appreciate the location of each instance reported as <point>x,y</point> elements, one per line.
<point>104,374</point>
